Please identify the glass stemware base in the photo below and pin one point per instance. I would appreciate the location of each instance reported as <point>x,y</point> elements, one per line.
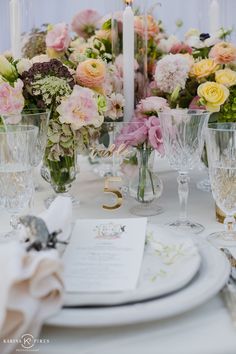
<point>186,226</point>
<point>204,185</point>
<point>223,239</point>
<point>146,210</point>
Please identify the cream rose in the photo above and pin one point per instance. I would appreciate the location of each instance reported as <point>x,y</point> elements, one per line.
<point>212,95</point>
<point>203,68</point>
<point>226,77</point>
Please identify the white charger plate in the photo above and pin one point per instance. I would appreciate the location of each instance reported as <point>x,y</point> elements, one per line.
<point>212,276</point>
<point>169,263</point>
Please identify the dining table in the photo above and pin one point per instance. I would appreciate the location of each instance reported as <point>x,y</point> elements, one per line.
<point>205,329</point>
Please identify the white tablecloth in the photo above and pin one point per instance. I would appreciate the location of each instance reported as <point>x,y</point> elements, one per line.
<point>205,330</point>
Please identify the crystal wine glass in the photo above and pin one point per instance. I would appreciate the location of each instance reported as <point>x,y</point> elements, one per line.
<point>17,149</point>
<point>221,151</point>
<point>38,118</point>
<point>183,141</point>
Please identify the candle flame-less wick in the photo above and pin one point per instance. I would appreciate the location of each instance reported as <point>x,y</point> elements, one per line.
<point>128,2</point>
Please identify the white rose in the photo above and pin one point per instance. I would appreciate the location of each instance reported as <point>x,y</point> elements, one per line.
<point>23,65</point>
<point>43,58</point>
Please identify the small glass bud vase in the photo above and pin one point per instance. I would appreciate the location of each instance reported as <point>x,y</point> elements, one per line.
<point>146,186</point>
<point>60,174</point>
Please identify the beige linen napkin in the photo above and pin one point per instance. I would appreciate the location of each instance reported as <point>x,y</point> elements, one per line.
<point>57,217</point>
<point>31,289</point>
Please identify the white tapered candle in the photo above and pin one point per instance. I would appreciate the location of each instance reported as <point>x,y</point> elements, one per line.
<point>15,28</point>
<point>214,16</point>
<point>128,61</point>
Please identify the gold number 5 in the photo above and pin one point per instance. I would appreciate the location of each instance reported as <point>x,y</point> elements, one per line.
<point>116,192</point>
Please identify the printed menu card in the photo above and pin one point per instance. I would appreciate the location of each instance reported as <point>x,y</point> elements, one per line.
<point>104,255</point>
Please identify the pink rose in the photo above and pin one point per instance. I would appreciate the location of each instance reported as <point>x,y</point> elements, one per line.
<point>58,38</point>
<point>91,73</point>
<point>80,109</point>
<point>86,22</point>
<point>11,98</point>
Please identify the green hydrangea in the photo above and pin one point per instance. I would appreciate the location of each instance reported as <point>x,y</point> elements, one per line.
<point>228,109</point>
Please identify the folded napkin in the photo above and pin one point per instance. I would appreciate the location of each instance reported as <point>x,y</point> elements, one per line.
<point>31,289</point>
<point>31,285</point>
<point>57,217</point>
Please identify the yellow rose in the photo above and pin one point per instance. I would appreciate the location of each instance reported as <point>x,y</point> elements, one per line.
<point>213,95</point>
<point>226,77</point>
<point>203,68</point>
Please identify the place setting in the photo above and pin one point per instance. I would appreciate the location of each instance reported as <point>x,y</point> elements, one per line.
<point>117,175</point>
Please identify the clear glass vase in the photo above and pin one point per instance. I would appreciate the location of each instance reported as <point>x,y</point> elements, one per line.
<point>146,186</point>
<point>60,174</point>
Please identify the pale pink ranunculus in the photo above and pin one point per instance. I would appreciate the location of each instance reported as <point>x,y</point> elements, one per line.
<point>141,23</point>
<point>151,106</point>
<point>80,109</point>
<point>86,22</point>
<point>223,53</point>
<point>91,73</point>
<point>58,37</point>
<point>11,98</point>
<point>155,135</point>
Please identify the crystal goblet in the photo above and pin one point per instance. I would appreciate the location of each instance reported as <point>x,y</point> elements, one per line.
<point>221,151</point>
<point>182,131</point>
<point>17,150</point>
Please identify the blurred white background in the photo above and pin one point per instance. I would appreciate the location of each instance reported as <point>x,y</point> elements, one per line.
<point>193,13</point>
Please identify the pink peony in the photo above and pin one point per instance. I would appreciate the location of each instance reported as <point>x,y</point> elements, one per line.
<point>80,109</point>
<point>91,73</point>
<point>86,22</point>
<point>11,98</point>
<point>58,38</point>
